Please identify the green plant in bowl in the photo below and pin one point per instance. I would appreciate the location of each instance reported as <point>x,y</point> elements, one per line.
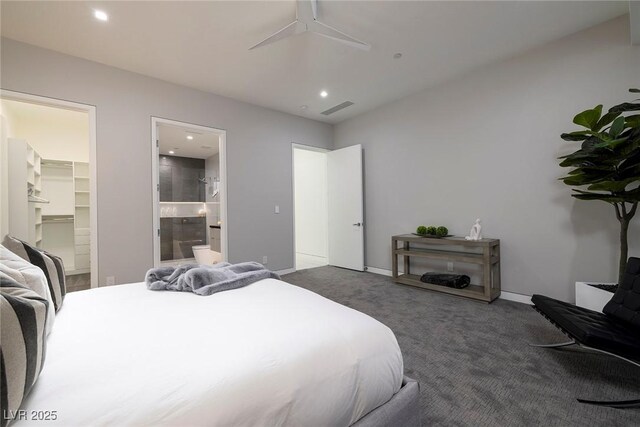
<point>422,230</point>
<point>442,231</point>
<point>431,230</point>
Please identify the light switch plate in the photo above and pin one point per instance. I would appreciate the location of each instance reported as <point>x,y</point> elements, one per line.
<point>277,210</point>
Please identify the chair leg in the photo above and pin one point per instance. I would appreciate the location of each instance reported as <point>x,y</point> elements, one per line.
<point>613,403</point>
<point>562,344</point>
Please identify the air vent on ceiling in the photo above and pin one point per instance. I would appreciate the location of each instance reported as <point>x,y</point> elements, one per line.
<point>337,108</point>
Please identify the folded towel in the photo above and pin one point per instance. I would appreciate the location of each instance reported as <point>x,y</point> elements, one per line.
<point>206,279</point>
<point>458,281</point>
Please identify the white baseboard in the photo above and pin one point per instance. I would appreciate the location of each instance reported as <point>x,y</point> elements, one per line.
<point>380,271</point>
<point>285,271</point>
<point>512,296</point>
<point>509,296</point>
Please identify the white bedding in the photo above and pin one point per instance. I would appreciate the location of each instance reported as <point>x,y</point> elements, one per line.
<point>264,355</point>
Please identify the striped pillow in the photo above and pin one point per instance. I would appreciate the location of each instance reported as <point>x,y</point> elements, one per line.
<point>28,275</point>
<point>23,314</point>
<point>51,265</point>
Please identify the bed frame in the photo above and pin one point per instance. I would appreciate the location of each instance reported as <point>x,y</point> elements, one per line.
<point>403,409</point>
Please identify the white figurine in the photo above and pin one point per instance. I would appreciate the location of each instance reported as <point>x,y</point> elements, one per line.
<point>476,231</point>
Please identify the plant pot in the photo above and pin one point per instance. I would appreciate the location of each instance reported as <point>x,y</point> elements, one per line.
<point>591,297</point>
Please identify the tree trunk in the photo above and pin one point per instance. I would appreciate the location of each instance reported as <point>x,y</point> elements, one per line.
<point>624,247</point>
<point>624,216</point>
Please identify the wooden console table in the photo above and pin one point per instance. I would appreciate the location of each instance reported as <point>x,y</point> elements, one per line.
<point>484,253</point>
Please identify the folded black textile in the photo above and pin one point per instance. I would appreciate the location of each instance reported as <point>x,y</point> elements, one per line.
<point>458,281</point>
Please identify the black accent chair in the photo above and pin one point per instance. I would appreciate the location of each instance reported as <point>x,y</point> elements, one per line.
<point>616,332</point>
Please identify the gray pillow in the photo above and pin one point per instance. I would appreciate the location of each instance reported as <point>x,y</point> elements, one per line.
<point>23,315</point>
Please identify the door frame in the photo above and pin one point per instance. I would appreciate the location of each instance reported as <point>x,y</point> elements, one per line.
<point>155,186</point>
<point>294,146</point>
<point>93,162</point>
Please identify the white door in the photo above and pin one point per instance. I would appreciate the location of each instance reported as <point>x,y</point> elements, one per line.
<point>346,211</point>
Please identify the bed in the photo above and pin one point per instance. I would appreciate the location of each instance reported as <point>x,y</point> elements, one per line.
<point>267,354</point>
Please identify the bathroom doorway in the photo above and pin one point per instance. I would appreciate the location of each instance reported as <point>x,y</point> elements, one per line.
<point>189,187</point>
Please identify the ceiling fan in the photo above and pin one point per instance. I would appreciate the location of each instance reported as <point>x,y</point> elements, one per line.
<point>307,20</point>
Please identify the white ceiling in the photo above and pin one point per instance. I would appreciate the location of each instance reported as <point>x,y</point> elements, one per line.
<point>204,45</point>
<point>174,138</point>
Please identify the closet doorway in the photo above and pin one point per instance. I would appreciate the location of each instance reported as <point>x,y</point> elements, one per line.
<point>311,223</point>
<point>328,200</point>
<point>49,181</point>
<point>189,193</point>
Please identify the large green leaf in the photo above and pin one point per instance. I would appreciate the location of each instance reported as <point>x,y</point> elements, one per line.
<point>586,195</point>
<point>617,127</point>
<point>610,145</point>
<point>633,121</point>
<point>589,118</point>
<point>612,186</point>
<point>625,106</point>
<point>575,136</point>
<point>581,135</point>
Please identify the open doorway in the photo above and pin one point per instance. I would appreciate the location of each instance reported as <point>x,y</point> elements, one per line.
<point>49,186</point>
<point>189,186</point>
<point>328,202</point>
<point>310,207</point>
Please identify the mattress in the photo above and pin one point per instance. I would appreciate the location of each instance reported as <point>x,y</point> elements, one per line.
<point>267,354</point>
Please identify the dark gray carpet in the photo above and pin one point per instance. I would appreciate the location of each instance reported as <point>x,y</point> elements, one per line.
<point>472,359</point>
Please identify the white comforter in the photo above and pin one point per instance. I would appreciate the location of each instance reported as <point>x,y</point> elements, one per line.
<point>265,355</point>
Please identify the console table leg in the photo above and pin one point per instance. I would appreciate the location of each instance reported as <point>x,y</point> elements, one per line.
<point>406,259</point>
<point>394,258</point>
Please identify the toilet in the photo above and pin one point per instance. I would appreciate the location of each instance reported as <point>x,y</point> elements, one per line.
<point>205,256</point>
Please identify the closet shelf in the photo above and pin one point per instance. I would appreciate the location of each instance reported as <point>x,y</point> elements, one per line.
<point>56,218</point>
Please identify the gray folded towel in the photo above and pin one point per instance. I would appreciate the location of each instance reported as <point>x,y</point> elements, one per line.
<point>206,279</point>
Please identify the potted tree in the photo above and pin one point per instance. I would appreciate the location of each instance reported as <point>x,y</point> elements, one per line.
<point>607,168</point>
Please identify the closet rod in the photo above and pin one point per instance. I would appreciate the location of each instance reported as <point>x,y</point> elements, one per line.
<point>36,199</point>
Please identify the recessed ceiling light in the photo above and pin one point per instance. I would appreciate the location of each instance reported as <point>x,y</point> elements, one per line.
<point>171,152</point>
<point>189,137</point>
<point>100,15</point>
<point>397,55</point>
<point>324,94</point>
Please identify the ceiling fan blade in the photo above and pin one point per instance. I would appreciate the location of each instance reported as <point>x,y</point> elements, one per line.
<point>296,27</point>
<point>306,10</point>
<point>330,32</point>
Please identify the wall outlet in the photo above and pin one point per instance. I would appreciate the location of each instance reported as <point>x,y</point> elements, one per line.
<point>277,209</point>
<point>449,266</point>
<point>264,260</point>
<point>111,280</point>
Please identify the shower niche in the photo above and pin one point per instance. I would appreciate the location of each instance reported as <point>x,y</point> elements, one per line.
<point>189,196</point>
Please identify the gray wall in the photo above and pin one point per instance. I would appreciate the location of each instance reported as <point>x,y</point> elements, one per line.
<point>258,147</point>
<point>486,145</point>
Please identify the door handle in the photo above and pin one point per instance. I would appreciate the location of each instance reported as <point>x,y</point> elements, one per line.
<point>358,224</point>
